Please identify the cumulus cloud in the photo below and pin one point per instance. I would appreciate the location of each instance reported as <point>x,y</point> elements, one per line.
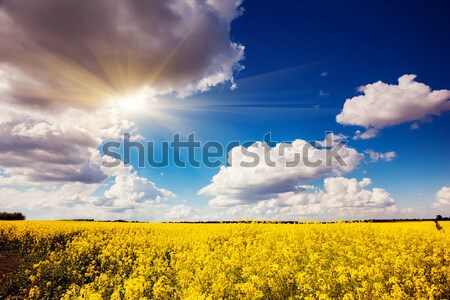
<point>331,140</point>
<point>365,135</point>
<point>50,161</point>
<point>35,198</point>
<point>340,198</point>
<point>76,200</point>
<point>350,193</point>
<point>442,198</point>
<point>179,212</point>
<point>383,104</point>
<point>377,156</point>
<point>129,190</point>
<point>83,52</point>
<point>259,172</point>
<point>39,146</point>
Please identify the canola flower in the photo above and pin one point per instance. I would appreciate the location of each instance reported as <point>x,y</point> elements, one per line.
<point>97,260</point>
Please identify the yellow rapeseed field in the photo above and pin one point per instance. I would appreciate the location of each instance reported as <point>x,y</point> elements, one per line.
<point>99,260</point>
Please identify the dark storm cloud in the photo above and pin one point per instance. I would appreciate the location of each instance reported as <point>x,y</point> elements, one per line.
<point>173,46</point>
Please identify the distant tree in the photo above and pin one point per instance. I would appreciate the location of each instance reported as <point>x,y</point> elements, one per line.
<point>439,217</point>
<point>11,216</point>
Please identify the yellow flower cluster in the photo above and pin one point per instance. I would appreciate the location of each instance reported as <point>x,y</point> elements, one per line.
<point>96,260</point>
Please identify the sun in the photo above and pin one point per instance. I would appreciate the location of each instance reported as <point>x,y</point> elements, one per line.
<point>130,103</point>
<point>135,101</point>
<point>151,105</point>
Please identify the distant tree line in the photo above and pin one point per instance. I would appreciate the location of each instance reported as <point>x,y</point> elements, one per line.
<point>11,216</point>
<point>439,218</point>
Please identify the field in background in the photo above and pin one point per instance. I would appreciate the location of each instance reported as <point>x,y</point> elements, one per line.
<point>96,260</point>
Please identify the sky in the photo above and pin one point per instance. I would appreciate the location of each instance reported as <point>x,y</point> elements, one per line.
<point>76,76</point>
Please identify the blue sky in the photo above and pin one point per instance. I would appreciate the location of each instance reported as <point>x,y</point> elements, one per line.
<point>295,64</point>
<point>289,46</point>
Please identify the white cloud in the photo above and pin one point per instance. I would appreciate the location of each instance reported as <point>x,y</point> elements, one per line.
<point>385,105</point>
<point>414,126</point>
<point>76,201</point>
<point>180,212</point>
<point>341,198</point>
<point>332,140</point>
<point>127,194</point>
<point>129,190</point>
<point>242,184</point>
<point>442,198</point>
<point>365,135</point>
<point>413,212</point>
<point>376,156</point>
<point>41,146</point>
<point>342,192</point>
<point>34,198</point>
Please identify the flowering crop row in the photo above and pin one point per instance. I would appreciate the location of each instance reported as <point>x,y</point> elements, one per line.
<point>96,260</point>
